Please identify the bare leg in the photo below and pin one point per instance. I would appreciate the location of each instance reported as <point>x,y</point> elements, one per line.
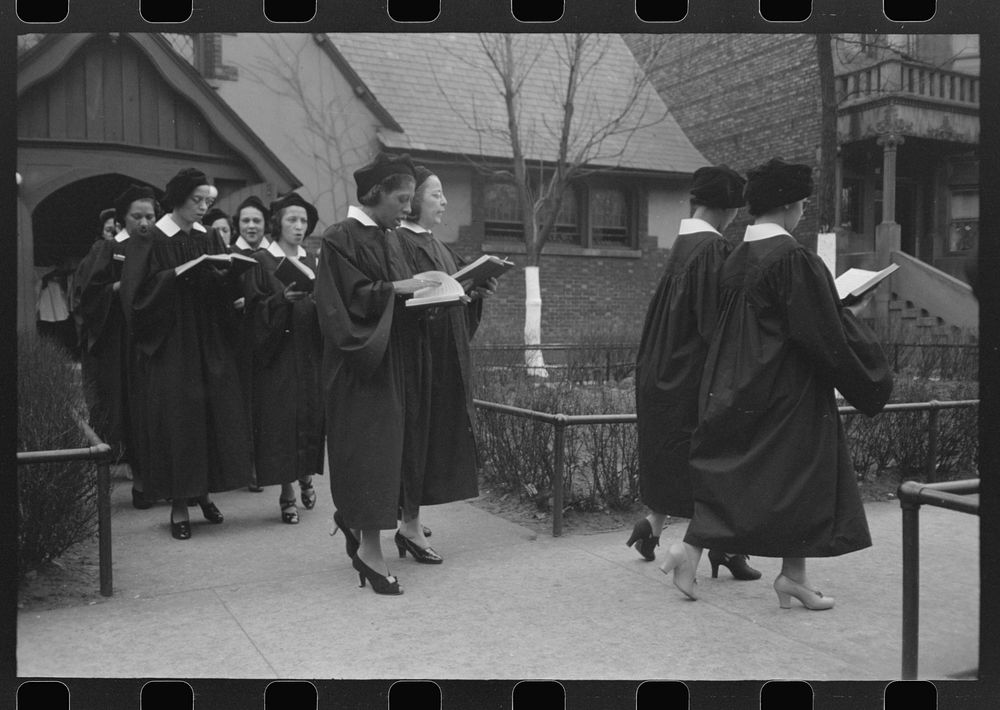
<point>178,510</point>
<point>411,528</point>
<point>795,569</point>
<point>370,550</point>
<point>656,521</point>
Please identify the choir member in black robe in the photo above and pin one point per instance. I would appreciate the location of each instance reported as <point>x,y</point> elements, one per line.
<point>195,439</point>
<point>677,329</point>
<point>106,353</point>
<point>772,473</point>
<point>442,435</point>
<point>250,225</point>
<point>359,299</point>
<point>219,222</point>
<point>287,404</point>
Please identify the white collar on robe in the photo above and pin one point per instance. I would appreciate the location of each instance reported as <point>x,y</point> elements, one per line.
<point>693,225</point>
<point>275,249</point>
<point>122,235</point>
<point>242,243</point>
<point>358,214</point>
<point>168,226</point>
<point>756,232</point>
<point>414,227</point>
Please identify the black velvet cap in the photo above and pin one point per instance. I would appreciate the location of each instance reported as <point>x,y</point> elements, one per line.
<point>294,198</point>
<point>777,183</point>
<point>214,215</point>
<point>421,174</point>
<point>133,193</point>
<point>106,215</point>
<point>382,167</point>
<point>182,185</point>
<point>720,187</point>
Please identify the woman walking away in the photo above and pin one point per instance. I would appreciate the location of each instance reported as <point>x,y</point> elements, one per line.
<point>439,463</point>
<point>287,406</point>
<point>195,439</point>
<point>358,298</point>
<point>675,336</point>
<point>772,474</point>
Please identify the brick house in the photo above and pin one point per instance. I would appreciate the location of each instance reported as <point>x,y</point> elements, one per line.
<point>907,132</point>
<point>424,94</point>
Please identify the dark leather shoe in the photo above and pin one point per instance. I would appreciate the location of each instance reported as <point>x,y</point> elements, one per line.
<point>420,554</point>
<point>139,501</point>
<point>736,564</point>
<point>643,540</point>
<point>181,530</point>
<point>211,513</point>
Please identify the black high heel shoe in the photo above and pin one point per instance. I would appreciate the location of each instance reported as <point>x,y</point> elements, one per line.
<point>736,564</point>
<point>351,543</point>
<point>380,583</point>
<point>643,539</point>
<point>139,501</point>
<point>211,512</point>
<point>399,516</point>
<point>180,530</point>
<point>420,554</point>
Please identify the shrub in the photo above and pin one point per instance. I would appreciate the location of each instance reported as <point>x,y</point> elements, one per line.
<point>56,501</point>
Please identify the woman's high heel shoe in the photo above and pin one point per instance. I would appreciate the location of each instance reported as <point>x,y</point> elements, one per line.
<point>684,572</point>
<point>380,584</point>
<point>351,543</point>
<point>211,512</point>
<point>786,588</point>
<point>180,530</point>
<point>427,555</point>
<point>736,564</point>
<point>643,539</point>
<point>308,494</point>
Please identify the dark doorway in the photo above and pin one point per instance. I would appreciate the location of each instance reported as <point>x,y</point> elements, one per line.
<point>906,215</point>
<point>67,222</point>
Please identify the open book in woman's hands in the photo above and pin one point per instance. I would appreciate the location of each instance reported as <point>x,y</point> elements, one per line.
<point>447,292</point>
<point>483,269</point>
<point>234,263</point>
<point>854,284</point>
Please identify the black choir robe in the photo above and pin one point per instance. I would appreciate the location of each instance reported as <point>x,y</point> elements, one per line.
<point>445,433</point>
<point>104,352</point>
<point>369,342</point>
<point>287,415</point>
<point>244,342</point>
<point>195,437</point>
<point>676,332</point>
<point>772,473</point>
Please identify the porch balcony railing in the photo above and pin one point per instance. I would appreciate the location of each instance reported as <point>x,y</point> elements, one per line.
<point>899,78</point>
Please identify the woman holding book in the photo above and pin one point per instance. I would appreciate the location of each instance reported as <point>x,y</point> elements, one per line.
<point>443,465</point>
<point>287,408</point>
<point>675,336</point>
<point>361,284</point>
<point>772,473</point>
<point>194,439</point>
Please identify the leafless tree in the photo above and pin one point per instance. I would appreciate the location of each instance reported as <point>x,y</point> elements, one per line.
<point>578,133</point>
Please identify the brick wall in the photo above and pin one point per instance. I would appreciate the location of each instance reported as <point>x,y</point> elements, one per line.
<point>743,99</point>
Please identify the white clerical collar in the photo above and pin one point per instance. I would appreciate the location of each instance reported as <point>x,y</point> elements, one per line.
<point>168,226</point>
<point>358,214</point>
<point>414,227</point>
<point>693,225</point>
<point>275,249</point>
<point>756,232</point>
<point>242,243</point>
<point>122,236</point>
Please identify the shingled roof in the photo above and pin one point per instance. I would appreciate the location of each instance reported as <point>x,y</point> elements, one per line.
<point>439,88</point>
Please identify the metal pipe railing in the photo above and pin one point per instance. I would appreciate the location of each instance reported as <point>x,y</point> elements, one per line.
<point>100,453</point>
<point>961,496</point>
<point>561,421</point>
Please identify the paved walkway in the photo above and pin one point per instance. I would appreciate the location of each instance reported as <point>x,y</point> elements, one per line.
<point>254,598</point>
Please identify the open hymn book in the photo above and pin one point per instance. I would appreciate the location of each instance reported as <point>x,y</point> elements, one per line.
<point>483,269</point>
<point>447,292</point>
<point>854,284</point>
<point>236,262</point>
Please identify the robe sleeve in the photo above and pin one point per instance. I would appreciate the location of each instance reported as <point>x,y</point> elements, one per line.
<point>94,286</point>
<point>355,308</point>
<point>473,310</point>
<point>148,292</point>
<point>267,310</point>
<point>845,351</point>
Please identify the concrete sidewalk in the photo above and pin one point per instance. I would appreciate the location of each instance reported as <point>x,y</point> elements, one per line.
<point>253,598</point>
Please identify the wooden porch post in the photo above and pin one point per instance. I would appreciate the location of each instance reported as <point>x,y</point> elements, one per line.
<point>887,234</point>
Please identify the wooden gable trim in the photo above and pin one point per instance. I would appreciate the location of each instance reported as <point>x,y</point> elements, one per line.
<point>52,56</point>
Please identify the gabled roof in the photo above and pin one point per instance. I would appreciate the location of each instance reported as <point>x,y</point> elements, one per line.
<point>440,89</point>
<point>39,60</point>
